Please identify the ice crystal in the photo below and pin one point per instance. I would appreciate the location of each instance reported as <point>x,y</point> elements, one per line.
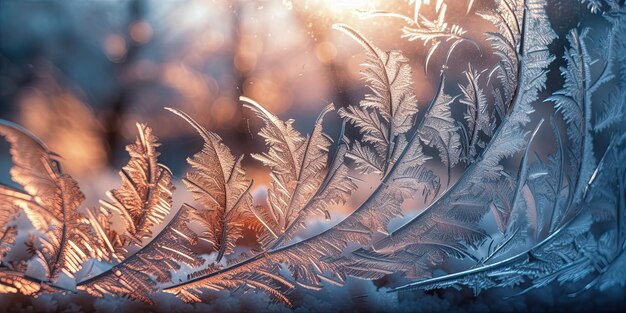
<point>518,216</point>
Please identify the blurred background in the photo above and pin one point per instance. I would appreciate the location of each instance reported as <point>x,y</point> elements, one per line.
<point>80,74</point>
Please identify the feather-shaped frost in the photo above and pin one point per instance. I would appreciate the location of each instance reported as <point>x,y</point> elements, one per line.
<point>507,18</point>
<point>477,115</point>
<point>574,103</point>
<point>451,223</point>
<point>569,253</point>
<point>218,182</point>
<point>388,75</point>
<point>439,129</point>
<point>139,274</point>
<point>309,176</point>
<point>320,258</point>
<point>262,272</point>
<point>143,200</point>
<point>566,255</point>
<point>299,166</point>
<point>310,261</point>
<point>50,201</point>
<point>436,32</point>
<point>12,277</point>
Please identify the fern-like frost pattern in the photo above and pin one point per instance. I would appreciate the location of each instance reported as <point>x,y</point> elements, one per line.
<point>466,162</point>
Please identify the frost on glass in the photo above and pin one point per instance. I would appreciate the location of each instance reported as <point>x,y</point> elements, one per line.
<point>513,214</point>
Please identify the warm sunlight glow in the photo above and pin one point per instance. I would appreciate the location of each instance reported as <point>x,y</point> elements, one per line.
<point>349,5</point>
